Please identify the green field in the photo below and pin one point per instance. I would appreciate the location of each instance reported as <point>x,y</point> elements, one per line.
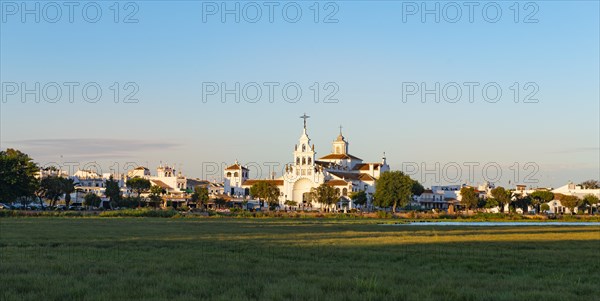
<point>273,259</point>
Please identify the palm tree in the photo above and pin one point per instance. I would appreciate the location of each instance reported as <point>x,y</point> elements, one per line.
<point>68,187</point>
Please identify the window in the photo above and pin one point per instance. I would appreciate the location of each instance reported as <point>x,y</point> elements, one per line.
<point>228,174</point>
<point>303,161</point>
<point>309,161</point>
<point>235,174</point>
<point>303,147</point>
<point>297,161</point>
<point>345,192</point>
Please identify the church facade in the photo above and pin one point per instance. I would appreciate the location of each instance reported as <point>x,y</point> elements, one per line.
<point>339,169</point>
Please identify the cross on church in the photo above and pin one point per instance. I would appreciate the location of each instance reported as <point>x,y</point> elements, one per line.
<point>305,117</point>
<point>340,129</point>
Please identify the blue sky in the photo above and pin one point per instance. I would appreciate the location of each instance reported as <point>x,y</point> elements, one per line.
<point>368,55</point>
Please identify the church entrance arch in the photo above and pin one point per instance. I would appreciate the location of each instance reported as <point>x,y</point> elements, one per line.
<point>301,187</point>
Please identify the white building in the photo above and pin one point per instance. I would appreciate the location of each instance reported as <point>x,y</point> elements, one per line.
<point>234,176</point>
<point>339,169</point>
<point>570,189</point>
<point>140,171</point>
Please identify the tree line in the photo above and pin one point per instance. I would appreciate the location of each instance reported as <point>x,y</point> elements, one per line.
<point>394,189</point>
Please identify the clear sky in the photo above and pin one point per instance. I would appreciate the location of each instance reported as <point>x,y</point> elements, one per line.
<point>370,59</point>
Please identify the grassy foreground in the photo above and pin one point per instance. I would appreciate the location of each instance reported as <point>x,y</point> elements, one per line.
<point>269,259</point>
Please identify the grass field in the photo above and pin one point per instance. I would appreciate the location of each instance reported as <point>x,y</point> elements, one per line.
<point>238,259</point>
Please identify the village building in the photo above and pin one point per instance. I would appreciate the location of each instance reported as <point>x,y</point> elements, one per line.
<point>340,169</point>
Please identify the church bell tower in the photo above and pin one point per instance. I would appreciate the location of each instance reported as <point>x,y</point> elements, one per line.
<point>304,153</point>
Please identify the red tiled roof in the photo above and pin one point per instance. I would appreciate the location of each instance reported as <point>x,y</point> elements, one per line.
<point>366,177</point>
<point>336,183</point>
<point>340,156</point>
<point>161,184</point>
<point>235,167</point>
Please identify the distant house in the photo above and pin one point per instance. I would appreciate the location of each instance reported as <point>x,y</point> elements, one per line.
<point>569,189</point>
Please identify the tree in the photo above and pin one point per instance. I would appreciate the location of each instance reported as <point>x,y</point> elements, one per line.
<point>220,202</point>
<point>522,201</point>
<point>92,200</point>
<point>264,190</point>
<point>394,188</point>
<point>113,192</point>
<point>540,197</point>
<point>417,188</point>
<point>502,196</point>
<point>68,187</point>
<point>290,203</point>
<point>139,185</point>
<point>52,188</point>
<point>569,201</point>
<point>200,196</point>
<point>468,197</point>
<point>17,175</point>
<point>127,202</point>
<point>156,193</point>
<point>490,203</point>
<point>589,200</point>
<point>359,197</point>
<point>590,184</point>
<point>545,207</point>
<point>324,195</point>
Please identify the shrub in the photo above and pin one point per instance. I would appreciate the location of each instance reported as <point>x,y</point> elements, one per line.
<point>384,214</point>
<point>139,213</point>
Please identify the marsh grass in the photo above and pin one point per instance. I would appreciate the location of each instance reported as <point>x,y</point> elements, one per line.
<point>284,259</point>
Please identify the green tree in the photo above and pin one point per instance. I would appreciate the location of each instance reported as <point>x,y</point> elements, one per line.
<point>52,188</point>
<point>359,197</point>
<point>220,202</point>
<point>417,188</point>
<point>127,202</point>
<point>490,203</point>
<point>570,201</point>
<point>92,200</point>
<point>540,197</point>
<point>139,185</point>
<point>290,203</point>
<point>468,197</point>
<point>200,196</point>
<point>68,187</point>
<point>324,195</point>
<point>112,191</point>
<point>502,196</point>
<point>588,201</point>
<point>544,207</point>
<point>156,193</point>
<point>267,191</point>
<point>17,175</point>
<point>394,188</point>
<point>522,201</point>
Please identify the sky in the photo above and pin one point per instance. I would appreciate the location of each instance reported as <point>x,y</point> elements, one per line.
<point>467,92</point>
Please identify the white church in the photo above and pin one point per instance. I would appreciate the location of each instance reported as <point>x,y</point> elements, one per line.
<point>345,172</point>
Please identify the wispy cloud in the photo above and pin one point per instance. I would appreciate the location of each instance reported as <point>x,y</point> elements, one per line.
<point>577,150</point>
<point>89,148</point>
